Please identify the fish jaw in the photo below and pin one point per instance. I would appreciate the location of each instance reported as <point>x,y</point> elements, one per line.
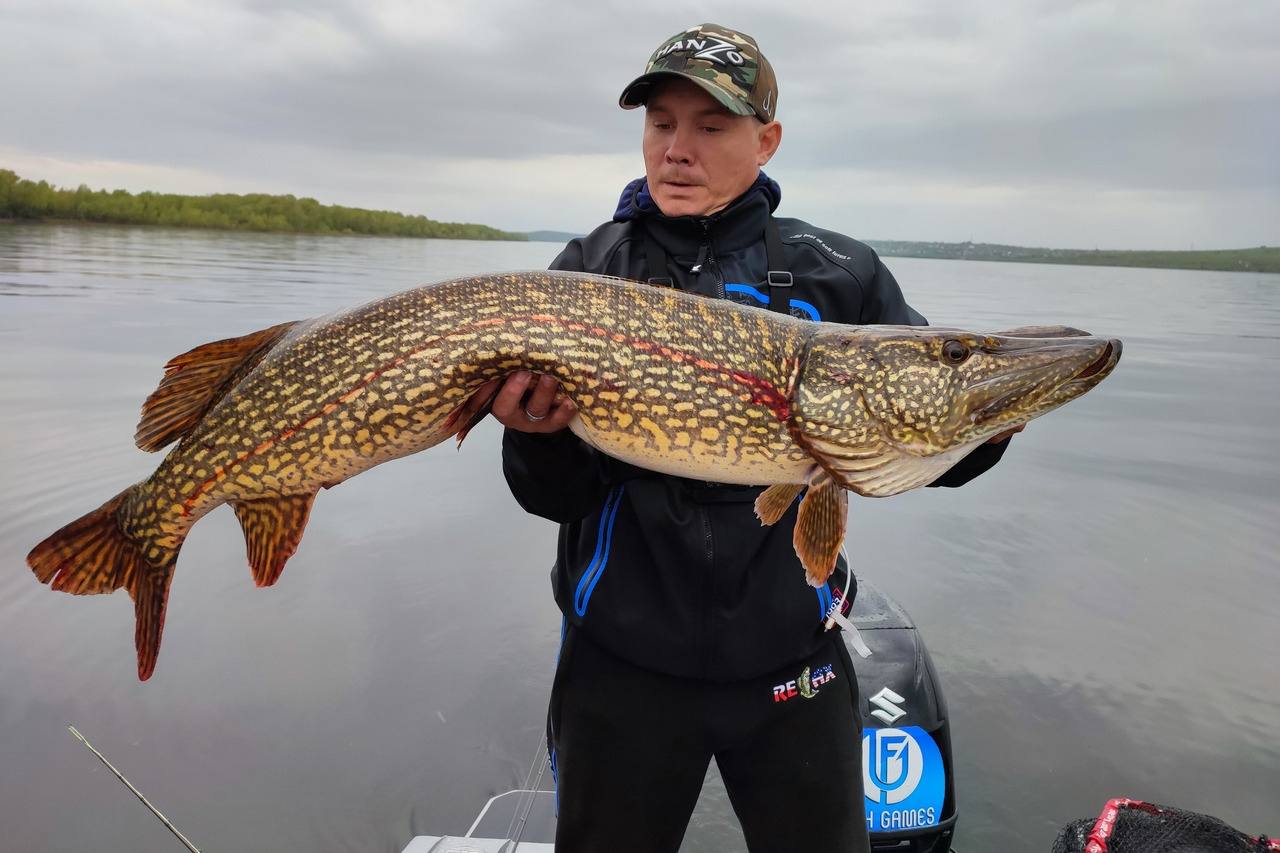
<point>1027,378</point>
<point>891,408</point>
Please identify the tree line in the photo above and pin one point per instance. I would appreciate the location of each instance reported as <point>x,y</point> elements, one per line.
<point>37,200</point>
<point>1258,259</point>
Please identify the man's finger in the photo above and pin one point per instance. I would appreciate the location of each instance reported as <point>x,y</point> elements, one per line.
<point>507,403</point>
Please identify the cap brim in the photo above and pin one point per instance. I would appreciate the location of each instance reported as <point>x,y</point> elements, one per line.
<point>637,92</point>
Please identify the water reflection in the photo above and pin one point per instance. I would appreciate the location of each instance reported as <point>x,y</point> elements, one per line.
<point>1099,606</point>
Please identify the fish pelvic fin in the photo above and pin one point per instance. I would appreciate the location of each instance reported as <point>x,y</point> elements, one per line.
<point>774,501</point>
<point>194,381</point>
<point>820,527</point>
<point>272,527</point>
<point>93,555</point>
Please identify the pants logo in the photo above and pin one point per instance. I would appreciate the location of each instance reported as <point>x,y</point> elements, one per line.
<point>805,685</point>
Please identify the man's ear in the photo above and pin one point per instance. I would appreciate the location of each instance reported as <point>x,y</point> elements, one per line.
<point>770,136</point>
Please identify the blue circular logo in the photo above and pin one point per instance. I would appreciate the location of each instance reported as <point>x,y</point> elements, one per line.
<point>903,779</point>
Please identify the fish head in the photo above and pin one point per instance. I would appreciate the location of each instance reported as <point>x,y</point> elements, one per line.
<point>887,408</point>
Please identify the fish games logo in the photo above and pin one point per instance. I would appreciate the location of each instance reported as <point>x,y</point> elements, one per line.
<point>903,778</point>
<point>806,684</point>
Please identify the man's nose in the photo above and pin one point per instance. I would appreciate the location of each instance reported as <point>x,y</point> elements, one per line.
<point>680,147</point>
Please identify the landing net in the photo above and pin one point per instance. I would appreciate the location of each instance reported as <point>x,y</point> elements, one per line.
<point>1131,826</point>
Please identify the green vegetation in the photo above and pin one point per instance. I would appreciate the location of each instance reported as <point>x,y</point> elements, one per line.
<point>23,199</point>
<point>1262,259</point>
<point>31,200</point>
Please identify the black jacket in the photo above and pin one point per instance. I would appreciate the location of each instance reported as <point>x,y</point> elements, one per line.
<point>677,575</point>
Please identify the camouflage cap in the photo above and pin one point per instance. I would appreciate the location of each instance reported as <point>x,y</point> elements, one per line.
<point>725,62</point>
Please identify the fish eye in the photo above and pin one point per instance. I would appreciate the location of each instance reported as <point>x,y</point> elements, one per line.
<point>954,352</point>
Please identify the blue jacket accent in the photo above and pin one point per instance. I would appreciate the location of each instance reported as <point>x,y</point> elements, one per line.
<point>595,569</point>
<point>806,308</point>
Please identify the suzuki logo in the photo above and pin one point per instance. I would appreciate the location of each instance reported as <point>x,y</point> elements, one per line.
<point>887,708</point>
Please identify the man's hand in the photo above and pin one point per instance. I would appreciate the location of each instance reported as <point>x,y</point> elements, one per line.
<point>523,402</point>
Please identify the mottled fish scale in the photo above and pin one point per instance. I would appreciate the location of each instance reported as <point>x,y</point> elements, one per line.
<point>672,382</point>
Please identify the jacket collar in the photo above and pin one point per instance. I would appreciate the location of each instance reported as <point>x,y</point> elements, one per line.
<point>637,202</point>
<point>737,225</point>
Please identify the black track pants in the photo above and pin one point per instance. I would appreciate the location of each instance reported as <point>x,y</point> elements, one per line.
<point>630,748</point>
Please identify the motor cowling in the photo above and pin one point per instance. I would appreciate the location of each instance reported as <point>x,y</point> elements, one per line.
<point>907,763</point>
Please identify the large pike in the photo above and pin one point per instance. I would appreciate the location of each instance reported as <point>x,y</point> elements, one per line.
<point>676,383</point>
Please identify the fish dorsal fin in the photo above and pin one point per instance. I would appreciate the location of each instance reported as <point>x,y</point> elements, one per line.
<point>774,501</point>
<point>820,527</point>
<point>194,381</point>
<point>273,528</point>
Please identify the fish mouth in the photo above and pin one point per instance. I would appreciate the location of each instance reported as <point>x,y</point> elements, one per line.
<point>1047,394</point>
<point>1110,356</point>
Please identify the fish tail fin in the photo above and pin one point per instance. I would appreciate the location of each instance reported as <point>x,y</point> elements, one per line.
<point>150,594</point>
<point>94,555</point>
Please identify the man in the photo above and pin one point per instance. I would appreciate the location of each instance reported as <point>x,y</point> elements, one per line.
<point>682,612</point>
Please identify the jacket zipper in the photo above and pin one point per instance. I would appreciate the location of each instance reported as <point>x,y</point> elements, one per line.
<point>706,262</point>
<point>706,265</point>
<point>708,591</point>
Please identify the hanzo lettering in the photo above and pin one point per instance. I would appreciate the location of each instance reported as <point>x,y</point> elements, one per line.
<point>713,49</point>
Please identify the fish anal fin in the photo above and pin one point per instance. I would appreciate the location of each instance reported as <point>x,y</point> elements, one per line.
<point>774,501</point>
<point>820,527</point>
<point>150,594</point>
<point>273,527</point>
<point>194,381</point>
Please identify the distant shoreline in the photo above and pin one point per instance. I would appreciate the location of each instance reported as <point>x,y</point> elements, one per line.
<point>507,236</point>
<point>24,200</point>
<point>38,201</point>
<point>1265,259</point>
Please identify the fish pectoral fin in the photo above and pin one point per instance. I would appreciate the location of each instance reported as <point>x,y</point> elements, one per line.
<point>476,409</point>
<point>820,527</point>
<point>272,527</point>
<point>194,381</point>
<point>774,501</point>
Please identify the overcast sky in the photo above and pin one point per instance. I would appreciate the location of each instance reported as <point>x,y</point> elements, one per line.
<point>1109,124</point>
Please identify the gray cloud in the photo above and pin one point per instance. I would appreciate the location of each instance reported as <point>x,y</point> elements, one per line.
<point>396,103</point>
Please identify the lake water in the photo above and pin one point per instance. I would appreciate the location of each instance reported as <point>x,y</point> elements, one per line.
<point>1101,607</point>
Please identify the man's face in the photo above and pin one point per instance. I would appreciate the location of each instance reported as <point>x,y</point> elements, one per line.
<point>698,156</point>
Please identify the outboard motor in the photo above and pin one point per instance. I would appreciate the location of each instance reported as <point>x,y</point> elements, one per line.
<point>906,752</point>
<point>906,740</point>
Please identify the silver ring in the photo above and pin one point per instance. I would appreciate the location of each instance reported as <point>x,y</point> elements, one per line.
<point>533,418</point>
